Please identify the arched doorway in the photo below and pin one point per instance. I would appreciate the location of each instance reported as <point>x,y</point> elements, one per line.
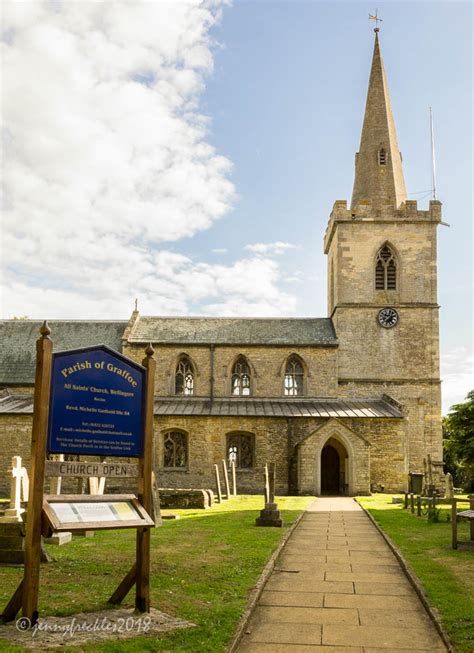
<point>330,470</point>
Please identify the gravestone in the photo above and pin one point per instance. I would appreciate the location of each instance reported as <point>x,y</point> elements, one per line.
<point>270,515</point>
<point>449,486</point>
<point>234,478</point>
<point>218,484</point>
<point>14,513</point>
<point>266,484</point>
<point>226,479</point>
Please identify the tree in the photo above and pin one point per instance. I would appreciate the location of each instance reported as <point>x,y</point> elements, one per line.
<point>458,442</point>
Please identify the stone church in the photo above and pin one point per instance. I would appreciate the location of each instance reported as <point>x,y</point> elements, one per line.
<point>344,404</point>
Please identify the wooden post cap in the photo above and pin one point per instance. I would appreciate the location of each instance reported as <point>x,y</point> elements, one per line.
<point>45,331</point>
<point>149,351</point>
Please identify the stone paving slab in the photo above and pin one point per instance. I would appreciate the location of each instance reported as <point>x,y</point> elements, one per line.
<point>294,615</point>
<point>411,638</point>
<point>272,633</point>
<point>337,587</point>
<point>364,601</point>
<point>301,582</point>
<point>250,647</point>
<point>297,599</point>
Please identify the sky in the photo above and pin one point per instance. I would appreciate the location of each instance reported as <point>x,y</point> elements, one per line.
<point>188,154</point>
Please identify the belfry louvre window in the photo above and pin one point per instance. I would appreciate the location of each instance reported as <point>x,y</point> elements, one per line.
<point>184,377</point>
<point>294,375</point>
<point>175,450</point>
<point>385,270</point>
<point>240,450</point>
<point>382,157</point>
<point>241,377</point>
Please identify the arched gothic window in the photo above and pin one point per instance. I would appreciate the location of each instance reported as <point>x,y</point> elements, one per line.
<point>241,377</point>
<point>175,450</point>
<point>294,376</point>
<point>382,157</point>
<point>240,450</point>
<point>184,377</point>
<point>386,270</point>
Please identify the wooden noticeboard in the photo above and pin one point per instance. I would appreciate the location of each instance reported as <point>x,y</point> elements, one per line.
<point>91,402</point>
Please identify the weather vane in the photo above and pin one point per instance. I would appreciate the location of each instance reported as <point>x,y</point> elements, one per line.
<point>377,20</point>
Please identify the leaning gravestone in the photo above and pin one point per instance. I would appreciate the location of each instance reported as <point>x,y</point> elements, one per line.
<point>266,484</point>
<point>226,479</point>
<point>270,515</point>
<point>218,484</point>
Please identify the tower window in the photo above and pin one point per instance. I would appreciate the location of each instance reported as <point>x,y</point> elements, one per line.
<point>386,270</point>
<point>184,377</point>
<point>294,376</point>
<point>382,157</point>
<point>241,377</point>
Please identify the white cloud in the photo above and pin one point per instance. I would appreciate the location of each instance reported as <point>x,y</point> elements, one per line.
<point>108,159</point>
<point>268,249</point>
<point>457,374</point>
<point>219,250</point>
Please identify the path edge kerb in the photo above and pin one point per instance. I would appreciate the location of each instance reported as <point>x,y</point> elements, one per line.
<point>259,585</point>
<point>414,582</point>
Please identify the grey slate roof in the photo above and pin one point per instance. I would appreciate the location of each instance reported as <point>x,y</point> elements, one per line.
<point>234,331</point>
<point>18,338</point>
<point>198,406</point>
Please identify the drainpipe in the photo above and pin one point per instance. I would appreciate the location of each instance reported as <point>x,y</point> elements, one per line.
<point>211,378</point>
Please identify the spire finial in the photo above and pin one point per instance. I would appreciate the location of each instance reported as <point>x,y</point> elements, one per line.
<point>377,20</point>
<point>136,304</point>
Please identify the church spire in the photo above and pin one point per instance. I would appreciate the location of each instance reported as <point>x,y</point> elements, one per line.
<point>378,170</point>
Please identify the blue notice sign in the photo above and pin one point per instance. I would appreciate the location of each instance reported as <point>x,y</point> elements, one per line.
<point>97,403</point>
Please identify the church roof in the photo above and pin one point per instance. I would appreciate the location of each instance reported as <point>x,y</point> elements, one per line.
<point>378,181</point>
<point>250,407</point>
<point>18,338</point>
<point>234,331</point>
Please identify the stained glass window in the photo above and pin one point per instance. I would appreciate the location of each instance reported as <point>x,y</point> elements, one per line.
<point>294,376</point>
<point>184,377</point>
<point>241,377</point>
<point>240,450</point>
<point>175,450</point>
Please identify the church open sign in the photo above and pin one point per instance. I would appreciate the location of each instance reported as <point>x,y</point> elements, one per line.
<point>97,403</point>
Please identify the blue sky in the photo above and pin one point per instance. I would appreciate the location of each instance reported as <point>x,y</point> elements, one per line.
<point>189,153</point>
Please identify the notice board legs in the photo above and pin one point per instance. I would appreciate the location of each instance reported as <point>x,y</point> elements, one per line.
<point>142,595</point>
<point>125,586</point>
<point>14,605</point>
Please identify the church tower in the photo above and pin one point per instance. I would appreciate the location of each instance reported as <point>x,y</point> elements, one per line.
<point>382,294</point>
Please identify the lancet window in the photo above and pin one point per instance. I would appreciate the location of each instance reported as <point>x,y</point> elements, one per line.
<point>386,269</point>
<point>241,377</point>
<point>240,450</point>
<point>382,157</point>
<point>294,377</point>
<point>184,377</point>
<point>175,450</point>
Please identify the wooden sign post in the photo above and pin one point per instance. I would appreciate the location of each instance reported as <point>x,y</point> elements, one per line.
<point>117,394</point>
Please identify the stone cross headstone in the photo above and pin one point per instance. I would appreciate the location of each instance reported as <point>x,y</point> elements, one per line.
<point>266,490</point>
<point>270,515</point>
<point>226,479</point>
<point>449,486</point>
<point>14,512</point>
<point>218,484</point>
<point>234,478</point>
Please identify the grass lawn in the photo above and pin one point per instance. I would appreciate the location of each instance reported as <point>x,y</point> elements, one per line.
<point>203,567</point>
<point>446,575</point>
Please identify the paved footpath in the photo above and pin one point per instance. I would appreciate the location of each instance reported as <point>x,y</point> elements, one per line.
<point>337,587</point>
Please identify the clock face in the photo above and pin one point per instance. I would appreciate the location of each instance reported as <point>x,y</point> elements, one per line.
<point>387,317</point>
